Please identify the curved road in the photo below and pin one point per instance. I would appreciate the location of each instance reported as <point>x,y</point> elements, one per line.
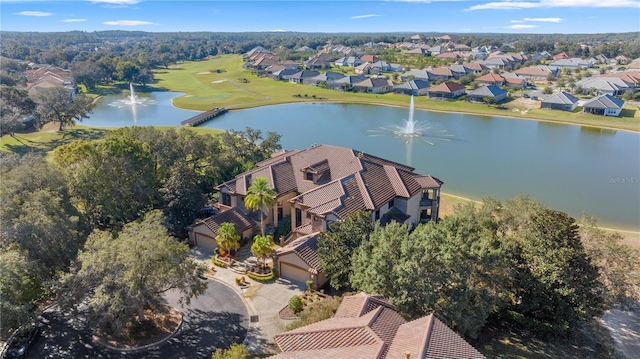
<point>216,319</point>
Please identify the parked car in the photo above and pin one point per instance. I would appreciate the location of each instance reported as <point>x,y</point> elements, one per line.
<point>22,342</point>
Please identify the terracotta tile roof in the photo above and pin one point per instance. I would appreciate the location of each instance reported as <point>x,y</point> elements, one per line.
<point>357,305</point>
<point>429,338</point>
<point>306,248</point>
<point>362,351</point>
<point>428,181</point>
<point>305,229</point>
<point>490,77</point>
<point>366,326</point>
<point>235,215</point>
<point>441,71</point>
<point>349,180</point>
<point>533,72</point>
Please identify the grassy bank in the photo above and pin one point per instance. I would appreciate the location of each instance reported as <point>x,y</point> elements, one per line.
<point>48,138</point>
<point>222,82</point>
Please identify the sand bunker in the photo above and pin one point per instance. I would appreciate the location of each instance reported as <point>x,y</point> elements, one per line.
<point>203,73</point>
<point>217,81</point>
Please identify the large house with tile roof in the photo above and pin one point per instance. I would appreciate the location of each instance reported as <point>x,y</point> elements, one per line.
<point>324,184</point>
<point>367,327</point>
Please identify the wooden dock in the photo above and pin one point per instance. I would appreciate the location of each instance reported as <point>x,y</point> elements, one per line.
<point>203,117</point>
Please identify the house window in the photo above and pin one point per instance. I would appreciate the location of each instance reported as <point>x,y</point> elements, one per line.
<point>308,214</point>
<point>280,214</point>
<point>377,215</point>
<point>308,176</point>
<point>298,217</point>
<point>226,199</point>
<point>391,203</point>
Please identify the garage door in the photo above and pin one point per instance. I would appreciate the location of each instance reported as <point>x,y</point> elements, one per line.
<point>205,241</point>
<point>294,273</point>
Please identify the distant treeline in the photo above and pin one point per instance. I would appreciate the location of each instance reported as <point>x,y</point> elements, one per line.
<point>149,50</point>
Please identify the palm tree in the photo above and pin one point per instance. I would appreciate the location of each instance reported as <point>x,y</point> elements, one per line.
<point>262,247</point>
<point>227,237</point>
<point>260,195</point>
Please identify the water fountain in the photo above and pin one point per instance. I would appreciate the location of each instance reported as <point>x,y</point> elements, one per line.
<point>426,132</point>
<point>133,99</point>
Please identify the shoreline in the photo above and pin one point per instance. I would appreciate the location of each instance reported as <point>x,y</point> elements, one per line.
<point>625,233</point>
<point>417,107</point>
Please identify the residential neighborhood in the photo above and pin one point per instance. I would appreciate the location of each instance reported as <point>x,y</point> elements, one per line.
<point>515,74</point>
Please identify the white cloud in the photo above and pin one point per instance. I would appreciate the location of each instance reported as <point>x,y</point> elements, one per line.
<point>116,2</point>
<point>517,21</point>
<point>519,5</point>
<point>504,5</point>
<point>33,13</point>
<point>276,30</point>
<point>520,26</point>
<point>363,16</point>
<point>129,23</point>
<point>543,19</point>
<point>73,20</point>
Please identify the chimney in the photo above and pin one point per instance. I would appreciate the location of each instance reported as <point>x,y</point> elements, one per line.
<point>407,355</point>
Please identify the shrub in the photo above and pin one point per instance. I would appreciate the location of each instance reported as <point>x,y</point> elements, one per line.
<point>261,279</point>
<point>309,284</point>
<point>218,263</point>
<point>283,228</point>
<point>295,304</point>
<point>316,312</point>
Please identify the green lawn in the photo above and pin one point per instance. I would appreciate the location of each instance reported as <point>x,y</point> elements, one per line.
<point>237,88</point>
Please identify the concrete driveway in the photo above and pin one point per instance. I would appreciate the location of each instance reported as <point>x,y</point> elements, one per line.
<point>214,320</point>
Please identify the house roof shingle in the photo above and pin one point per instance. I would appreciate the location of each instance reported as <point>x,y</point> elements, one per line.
<point>604,102</point>
<point>447,87</point>
<point>235,215</point>
<point>306,248</point>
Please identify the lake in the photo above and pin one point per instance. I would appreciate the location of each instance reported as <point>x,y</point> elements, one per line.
<point>572,168</point>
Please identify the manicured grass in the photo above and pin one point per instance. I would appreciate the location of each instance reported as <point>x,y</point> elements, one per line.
<point>205,90</point>
<point>48,138</point>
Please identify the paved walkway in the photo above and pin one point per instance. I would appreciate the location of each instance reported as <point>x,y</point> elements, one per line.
<point>263,300</point>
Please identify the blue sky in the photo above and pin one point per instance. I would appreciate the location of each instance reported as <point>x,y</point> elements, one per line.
<point>450,16</point>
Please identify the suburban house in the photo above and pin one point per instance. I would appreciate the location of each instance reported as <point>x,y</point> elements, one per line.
<point>440,73</point>
<point>605,85</point>
<point>490,79</point>
<point>350,61</point>
<point>563,101</point>
<point>572,63</point>
<point>417,87</point>
<point>384,66</point>
<point>446,90</point>
<point>415,74</point>
<point>374,85</point>
<point>320,185</point>
<point>369,58</point>
<point>300,76</point>
<point>46,76</point>
<point>368,327</point>
<point>478,95</point>
<point>323,78</point>
<point>560,56</point>
<point>536,73</point>
<point>282,74</point>
<point>346,83</point>
<point>604,105</point>
<point>366,69</point>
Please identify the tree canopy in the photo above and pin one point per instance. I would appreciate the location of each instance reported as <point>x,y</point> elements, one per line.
<point>122,275</point>
<point>337,245</point>
<point>516,259</point>
<point>57,104</point>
